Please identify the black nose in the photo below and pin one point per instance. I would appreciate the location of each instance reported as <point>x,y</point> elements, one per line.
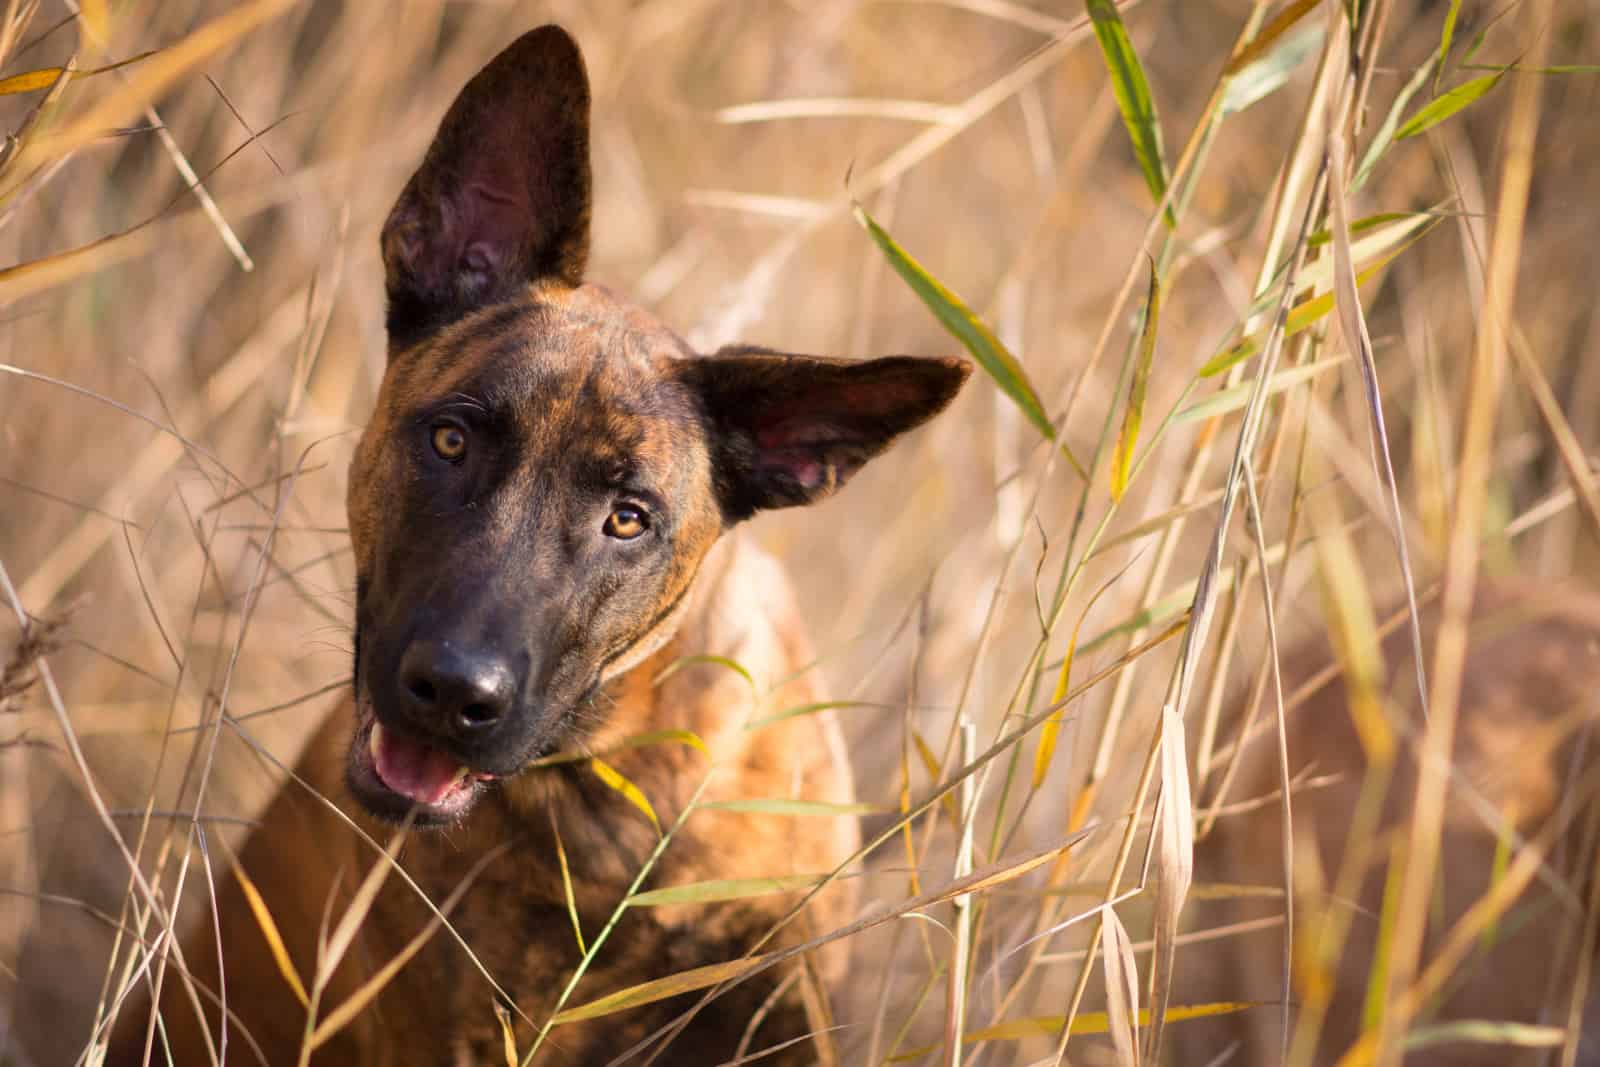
<point>463,691</point>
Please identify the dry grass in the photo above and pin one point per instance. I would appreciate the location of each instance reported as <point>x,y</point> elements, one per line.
<point>182,375</point>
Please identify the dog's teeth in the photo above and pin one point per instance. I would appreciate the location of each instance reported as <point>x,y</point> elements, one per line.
<point>375,739</point>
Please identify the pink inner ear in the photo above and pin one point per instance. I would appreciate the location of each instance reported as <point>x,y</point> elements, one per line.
<point>798,446</point>
<point>805,469</point>
<point>811,434</point>
<point>492,220</point>
<point>820,417</point>
<point>807,431</point>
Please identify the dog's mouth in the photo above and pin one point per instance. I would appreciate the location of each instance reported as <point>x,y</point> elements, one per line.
<point>394,774</point>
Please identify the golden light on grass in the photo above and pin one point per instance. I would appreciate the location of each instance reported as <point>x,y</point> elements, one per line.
<point>1366,249</point>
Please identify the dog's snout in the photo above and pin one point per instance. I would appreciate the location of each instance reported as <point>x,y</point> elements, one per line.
<point>463,692</point>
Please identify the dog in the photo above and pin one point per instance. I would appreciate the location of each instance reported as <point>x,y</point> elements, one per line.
<point>543,511</point>
<point>1524,751</point>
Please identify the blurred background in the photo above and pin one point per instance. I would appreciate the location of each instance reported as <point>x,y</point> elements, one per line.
<point>198,365</point>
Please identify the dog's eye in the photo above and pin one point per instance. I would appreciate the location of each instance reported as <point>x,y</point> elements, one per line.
<point>449,441</point>
<point>626,523</point>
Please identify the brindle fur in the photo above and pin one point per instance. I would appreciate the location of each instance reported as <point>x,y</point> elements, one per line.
<point>572,399</point>
<point>1524,743</point>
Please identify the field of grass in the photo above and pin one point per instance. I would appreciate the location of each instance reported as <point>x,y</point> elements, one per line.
<point>1206,243</point>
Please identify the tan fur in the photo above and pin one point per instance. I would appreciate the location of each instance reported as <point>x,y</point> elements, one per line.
<point>1525,745</point>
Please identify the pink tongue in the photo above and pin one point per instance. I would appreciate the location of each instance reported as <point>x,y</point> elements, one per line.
<point>413,769</point>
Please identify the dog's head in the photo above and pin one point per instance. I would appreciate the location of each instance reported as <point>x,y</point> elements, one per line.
<point>548,465</point>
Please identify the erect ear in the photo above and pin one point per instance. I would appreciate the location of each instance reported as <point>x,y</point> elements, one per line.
<point>789,430</point>
<point>502,197</point>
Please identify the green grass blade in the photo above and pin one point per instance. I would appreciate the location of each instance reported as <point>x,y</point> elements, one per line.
<point>1226,400</point>
<point>1128,439</point>
<point>1498,865</point>
<point>650,737</point>
<point>1237,352</point>
<point>1486,1032</point>
<point>1271,70</point>
<point>1264,41</point>
<point>1559,68</point>
<point>954,315</point>
<point>1445,39</point>
<point>1364,224</point>
<point>1378,976</point>
<point>1310,311</point>
<point>690,661</point>
<point>809,709</point>
<point>1437,110</point>
<point>1134,98</point>
<point>724,889</point>
<point>659,989</point>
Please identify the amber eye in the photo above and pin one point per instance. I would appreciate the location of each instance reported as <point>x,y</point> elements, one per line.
<point>449,441</point>
<point>625,523</point>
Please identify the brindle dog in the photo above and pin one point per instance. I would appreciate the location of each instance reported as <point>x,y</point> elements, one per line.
<point>541,511</point>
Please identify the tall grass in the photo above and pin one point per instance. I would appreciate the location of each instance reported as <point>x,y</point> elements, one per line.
<point>1269,295</point>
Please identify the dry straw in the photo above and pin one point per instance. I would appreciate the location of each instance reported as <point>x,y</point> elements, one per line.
<point>1285,315</point>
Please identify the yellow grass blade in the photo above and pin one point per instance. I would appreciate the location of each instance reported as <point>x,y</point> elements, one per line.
<point>1051,728</point>
<point>269,930</point>
<point>96,18</point>
<point>157,75</point>
<point>508,1036</point>
<point>1384,236</point>
<point>1353,625</point>
<point>1088,1022</point>
<point>935,773</point>
<point>357,1002</point>
<point>339,941</point>
<point>31,81</point>
<point>1128,438</point>
<point>659,989</point>
<point>630,792</point>
<point>566,884</point>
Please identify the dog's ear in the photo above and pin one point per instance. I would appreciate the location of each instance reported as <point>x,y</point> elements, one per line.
<point>502,197</point>
<point>789,430</point>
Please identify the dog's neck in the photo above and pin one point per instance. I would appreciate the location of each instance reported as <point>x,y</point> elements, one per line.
<point>739,611</point>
